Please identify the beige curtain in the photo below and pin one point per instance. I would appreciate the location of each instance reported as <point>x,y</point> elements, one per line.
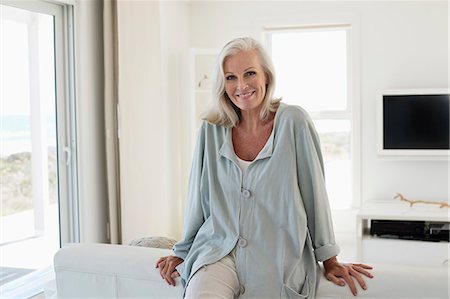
<point>110,46</point>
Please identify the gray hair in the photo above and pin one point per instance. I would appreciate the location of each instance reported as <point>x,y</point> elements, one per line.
<point>223,111</point>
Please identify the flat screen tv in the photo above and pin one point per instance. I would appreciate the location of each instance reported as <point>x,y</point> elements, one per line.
<point>414,122</point>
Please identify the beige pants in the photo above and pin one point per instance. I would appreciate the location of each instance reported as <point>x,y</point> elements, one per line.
<point>215,281</point>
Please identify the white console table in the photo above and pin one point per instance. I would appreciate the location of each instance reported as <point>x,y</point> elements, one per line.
<point>372,249</point>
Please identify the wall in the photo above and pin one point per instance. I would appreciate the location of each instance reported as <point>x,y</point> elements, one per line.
<point>404,44</point>
<point>175,71</point>
<point>406,49</point>
<point>142,146</point>
<point>152,39</point>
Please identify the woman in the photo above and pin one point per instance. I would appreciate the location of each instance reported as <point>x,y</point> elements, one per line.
<point>258,218</point>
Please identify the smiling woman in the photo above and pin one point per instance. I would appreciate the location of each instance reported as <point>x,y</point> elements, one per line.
<point>245,81</point>
<point>245,86</point>
<point>262,75</point>
<point>258,218</point>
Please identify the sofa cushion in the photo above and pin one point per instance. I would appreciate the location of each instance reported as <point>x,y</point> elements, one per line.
<point>154,242</point>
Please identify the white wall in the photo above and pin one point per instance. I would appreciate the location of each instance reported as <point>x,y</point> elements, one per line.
<point>142,145</point>
<point>175,71</point>
<point>404,44</point>
<point>152,41</point>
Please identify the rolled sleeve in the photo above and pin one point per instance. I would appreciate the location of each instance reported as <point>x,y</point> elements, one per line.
<point>181,249</point>
<point>327,251</point>
<point>180,268</point>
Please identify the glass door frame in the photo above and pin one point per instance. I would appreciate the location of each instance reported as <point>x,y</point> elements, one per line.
<point>65,113</point>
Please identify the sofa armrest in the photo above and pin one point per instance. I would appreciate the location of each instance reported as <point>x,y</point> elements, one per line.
<point>111,271</point>
<point>119,271</point>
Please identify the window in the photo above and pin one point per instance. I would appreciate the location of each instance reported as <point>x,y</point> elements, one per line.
<point>37,156</point>
<point>313,68</point>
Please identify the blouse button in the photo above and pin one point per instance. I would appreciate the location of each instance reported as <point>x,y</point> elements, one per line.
<point>246,193</point>
<point>242,242</point>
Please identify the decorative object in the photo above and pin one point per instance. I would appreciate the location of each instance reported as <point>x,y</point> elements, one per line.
<point>441,204</point>
<point>204,83</point>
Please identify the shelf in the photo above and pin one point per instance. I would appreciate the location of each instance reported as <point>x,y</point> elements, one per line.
<point>201,65</point>
<point>367,237</point>
<point>202,91</point>
<point>404,212</point>
<point>373,249</point>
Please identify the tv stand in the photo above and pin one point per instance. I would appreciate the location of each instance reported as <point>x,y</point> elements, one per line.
<point>375,249</point>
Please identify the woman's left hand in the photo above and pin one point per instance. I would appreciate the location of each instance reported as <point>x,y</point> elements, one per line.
<point>342,273</point>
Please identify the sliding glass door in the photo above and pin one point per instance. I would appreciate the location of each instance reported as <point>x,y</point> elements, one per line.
<point>37,152</point>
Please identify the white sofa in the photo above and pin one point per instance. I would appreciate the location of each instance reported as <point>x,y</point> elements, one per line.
<point>119,271</point>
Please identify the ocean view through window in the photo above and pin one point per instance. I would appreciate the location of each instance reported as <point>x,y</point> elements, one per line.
<point>29,215</point>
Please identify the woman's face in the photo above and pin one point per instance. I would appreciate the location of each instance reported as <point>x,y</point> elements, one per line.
<point>245,80</point>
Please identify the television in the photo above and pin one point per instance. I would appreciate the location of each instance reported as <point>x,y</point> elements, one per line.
<point>414,122</point>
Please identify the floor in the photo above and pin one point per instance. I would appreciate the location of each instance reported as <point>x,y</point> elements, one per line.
<point>39,296</point>
<point>9,274</point>
<point>25,253</point>
<point>21,246</point>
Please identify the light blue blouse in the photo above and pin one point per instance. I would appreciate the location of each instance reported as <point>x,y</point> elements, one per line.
<point>277,215</point>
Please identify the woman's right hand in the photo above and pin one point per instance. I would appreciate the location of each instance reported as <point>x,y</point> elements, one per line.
<point>166,265</point>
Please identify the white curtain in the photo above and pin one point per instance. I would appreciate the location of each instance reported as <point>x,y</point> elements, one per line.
<point>110,46</point>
